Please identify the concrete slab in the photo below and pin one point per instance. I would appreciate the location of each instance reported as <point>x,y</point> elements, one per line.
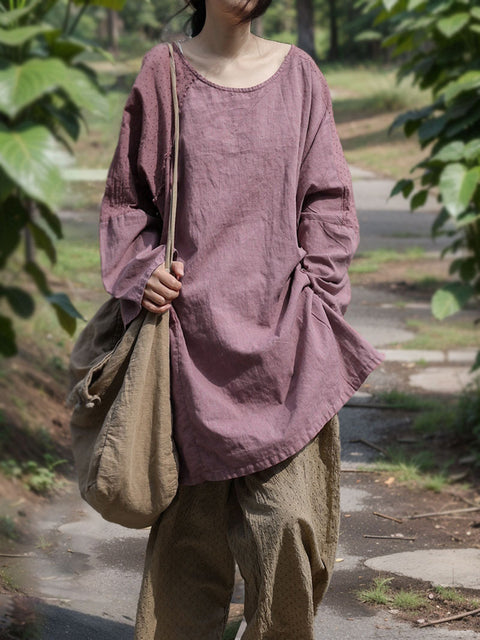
<point>442,379</point>
<point>336,624</point>
<point>374,194</point>
<point>413,355</point>
<point>462,355</point>
<point>444,567</point>
<point>84,175</point>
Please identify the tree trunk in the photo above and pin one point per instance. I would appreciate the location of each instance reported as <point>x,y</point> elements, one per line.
<point>305,26</point>
<point>333,50</point>
<point>112,30</point>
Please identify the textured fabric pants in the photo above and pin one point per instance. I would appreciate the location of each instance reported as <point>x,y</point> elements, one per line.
<point>280,526</point>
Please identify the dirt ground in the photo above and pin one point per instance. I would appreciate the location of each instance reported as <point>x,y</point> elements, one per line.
<point>460,530</point>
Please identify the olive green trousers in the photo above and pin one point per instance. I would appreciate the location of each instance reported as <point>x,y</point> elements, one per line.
<point>281,527</point>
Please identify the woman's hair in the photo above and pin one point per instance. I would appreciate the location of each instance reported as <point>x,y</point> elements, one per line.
<point>197,20</point>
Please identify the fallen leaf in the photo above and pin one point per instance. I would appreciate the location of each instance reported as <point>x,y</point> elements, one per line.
<point>390,481</point>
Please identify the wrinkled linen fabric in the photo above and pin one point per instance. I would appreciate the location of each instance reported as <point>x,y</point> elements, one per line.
<point>261,356</point>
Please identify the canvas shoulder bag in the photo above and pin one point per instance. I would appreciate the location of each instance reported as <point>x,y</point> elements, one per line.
<point>121,423</point>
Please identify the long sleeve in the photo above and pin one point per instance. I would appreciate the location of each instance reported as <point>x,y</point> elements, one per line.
<point>131,225</point>
<point>328,227</point>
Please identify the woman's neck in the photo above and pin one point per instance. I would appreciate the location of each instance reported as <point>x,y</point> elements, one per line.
<point>222,36</point>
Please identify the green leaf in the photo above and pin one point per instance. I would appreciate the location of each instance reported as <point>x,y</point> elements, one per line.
<point>13,218</point>
<point>419,199</point>
<point>66,313</point>
<point>414,115</point>
<point>38,277</point>
<point>475,12</point>
<point>8,346</point>
<point>11,17</point>
<point>450,298</point>
<point>467,82</point>
<point>6,186</point>
<point>19,36</point>
<point>389,4</point>
<point>472,149</point>
<point>466,218</point>
<point>117,5</point>
<point>440,7</point>
<point>475,28</point>
<point>405,187</point>
<point>457,186</point>
<point>52,220</point>
<point>451,152</point>
<point>368,36</point>
<point>431,128</point>
<point>21,85</point>
<point>453,24</point>
<point>414,4</point>
<point>476,363</point>
<point>43,241</point>
<point>29,156</point>
<point>468,269</point>
<point>442,218</point>
<point>84,93</point>
<point>19,300</point>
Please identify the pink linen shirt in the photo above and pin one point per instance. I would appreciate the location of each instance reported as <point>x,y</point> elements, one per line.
<point>261,356</point>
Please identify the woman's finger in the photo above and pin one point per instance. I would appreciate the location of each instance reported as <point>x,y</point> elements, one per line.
<point>150,306</point>
<point>155,298</point>
<point>153,286</point>
<point>162,276</point>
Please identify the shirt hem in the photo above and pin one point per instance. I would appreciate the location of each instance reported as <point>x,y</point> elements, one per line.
<point>291,450</point>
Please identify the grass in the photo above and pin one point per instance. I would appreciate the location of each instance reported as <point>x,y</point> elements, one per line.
<point>450,595</point>
<point>435,600</point>
<point>39,478</point>
<point>401,400</point>
<point>378,593</point>
<point>8,528</point>
<point>408,600</point>
<point>7,580</point>
<point>370,261</point>
<point>366,99</point>
<point>415,469</point>
<point>442,335</point>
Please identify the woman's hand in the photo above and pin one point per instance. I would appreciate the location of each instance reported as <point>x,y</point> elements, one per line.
<point>162,287</point>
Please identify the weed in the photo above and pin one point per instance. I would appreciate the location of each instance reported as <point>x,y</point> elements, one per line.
<point>435,482</point>
<point>370,261</point>
<point>450,594</point>
<point>434,420</point>
<point>44,544</point>
<point>8,528</point>
<point>378,594</point>
<point>401,400</point>
<point>447,334</point>
<point>408,600</point>
<point>38,478</point>
<point>413,468</point>
<point>11,468</point>
<point>7,580</point>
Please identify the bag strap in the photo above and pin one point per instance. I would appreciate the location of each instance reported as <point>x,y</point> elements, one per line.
<point>173,199</point>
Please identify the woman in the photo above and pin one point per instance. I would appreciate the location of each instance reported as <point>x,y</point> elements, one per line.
<point>262,359</point>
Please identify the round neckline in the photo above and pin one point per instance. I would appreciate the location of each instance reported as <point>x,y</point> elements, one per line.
<point>235,89</point>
